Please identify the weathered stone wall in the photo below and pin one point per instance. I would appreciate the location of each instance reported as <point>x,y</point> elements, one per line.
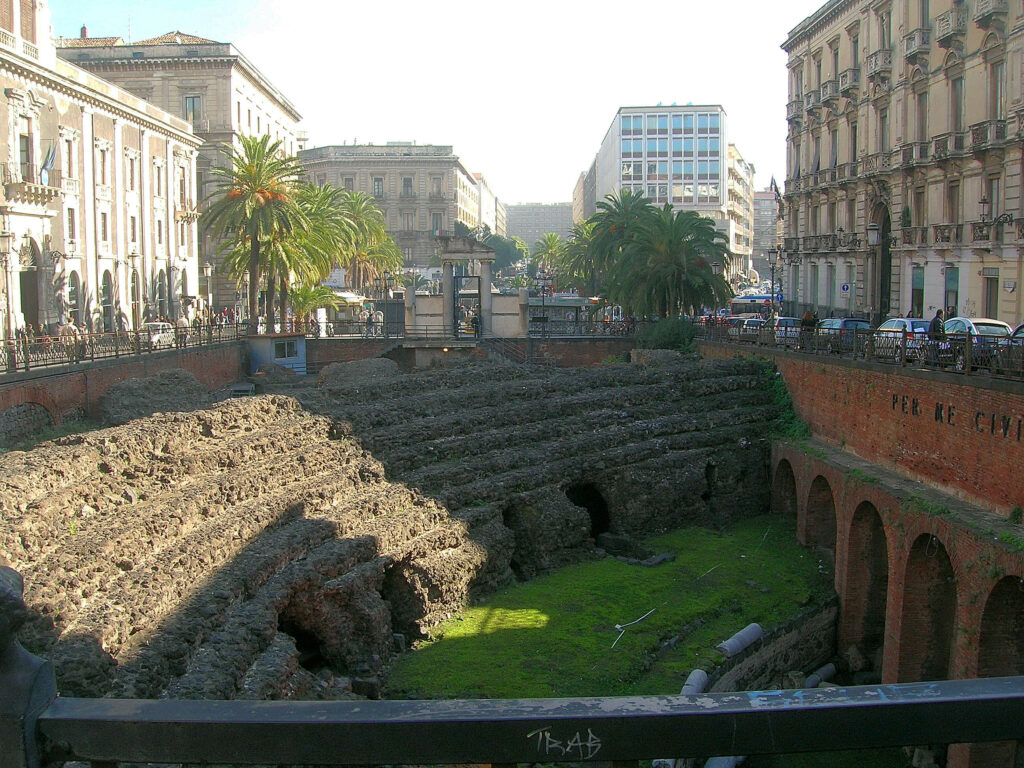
<point>22,421</point>
<point>274,546</point>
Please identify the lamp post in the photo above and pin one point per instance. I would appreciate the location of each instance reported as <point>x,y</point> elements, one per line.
<point>207,273</point>
<point>544,280</point>
<point>776,263</point>
<point>6,239</point>
<point>986,210</point>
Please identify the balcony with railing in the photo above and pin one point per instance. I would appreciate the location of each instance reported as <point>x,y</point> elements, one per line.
<point>986,11</point>
<point>812,100</point>
<point>812,243</point>
<point>791,244</point>
<point>847,173</point>
<point>879,162</point>
<point>795,109</point>
<point>949,25</point>
<point>986,233</point>
<point>987,134</point>
<point>947,234</point>
<point>849,80</point>
<point>950,144</point>
<point>878,64</point>
<point>914,236</point>
<point>918,43</point>
<point>915,153</point>
<point>829,91</point>
<point>28,183</point>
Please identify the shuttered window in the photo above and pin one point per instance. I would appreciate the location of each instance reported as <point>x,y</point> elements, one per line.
<point>28,20</point>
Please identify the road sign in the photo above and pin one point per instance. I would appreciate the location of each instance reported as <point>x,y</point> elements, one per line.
<point>844,288</point>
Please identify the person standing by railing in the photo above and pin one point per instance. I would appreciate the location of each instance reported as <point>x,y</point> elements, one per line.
<point>807,326</point>
<point>936,335</point>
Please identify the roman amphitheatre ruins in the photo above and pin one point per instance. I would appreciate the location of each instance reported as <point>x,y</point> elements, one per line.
<point>201,553</point>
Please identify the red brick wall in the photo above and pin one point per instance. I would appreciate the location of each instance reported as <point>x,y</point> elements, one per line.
<point>80,389</point>
<point>965,433</point>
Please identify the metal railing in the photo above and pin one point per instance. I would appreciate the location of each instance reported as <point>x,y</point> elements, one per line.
<point>958,353</point>
<point>25,353</point>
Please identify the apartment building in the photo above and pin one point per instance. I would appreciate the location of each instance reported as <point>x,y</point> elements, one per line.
<point>98,218</point>
<point>904,159</point>
<point>215,89</point>
<point>423,189</point>
<point>740,212</point>
<point>767,229</point>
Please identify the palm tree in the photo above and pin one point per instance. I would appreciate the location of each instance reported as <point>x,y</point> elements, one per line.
<point>614,223</point>
<point>254,202</point>
<point>306,299</point>
<point>370,250</point>
<point>666,264</point>
<point>548,250</point>
<point>577,264</point>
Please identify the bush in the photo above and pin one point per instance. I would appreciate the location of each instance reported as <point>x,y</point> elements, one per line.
<point>677,333</point>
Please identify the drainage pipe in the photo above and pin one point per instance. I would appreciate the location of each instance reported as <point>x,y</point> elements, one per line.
<point>742,639</point>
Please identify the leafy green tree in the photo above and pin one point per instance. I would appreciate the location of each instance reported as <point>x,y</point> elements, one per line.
<point>370,251</point>
<point>306,299</point>
<point>254,202</point>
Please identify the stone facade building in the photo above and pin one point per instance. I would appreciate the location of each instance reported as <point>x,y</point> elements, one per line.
<point>214,88</point>
<point>97,209</point>
<point>423,189</point>
<point>904,154</point>
<point>767,230</point>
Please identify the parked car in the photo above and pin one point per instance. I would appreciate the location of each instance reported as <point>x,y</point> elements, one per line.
<point>888,338</point>
<point>786,331</point>
<point>751,329</point>
<point>733,325</point>
<point>1010,356</point>
<point>160,334</point>
<point>842,335</point>
<point>986,335</point>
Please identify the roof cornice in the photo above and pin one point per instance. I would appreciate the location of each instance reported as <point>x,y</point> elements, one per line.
<point>823,17</point>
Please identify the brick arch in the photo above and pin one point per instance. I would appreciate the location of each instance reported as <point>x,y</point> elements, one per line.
<point>784,490</point>
<point>30,396</point>
<point>820,515</point>
<point>929,612</point>
<point>1001,653</point>
<point>866,587</point>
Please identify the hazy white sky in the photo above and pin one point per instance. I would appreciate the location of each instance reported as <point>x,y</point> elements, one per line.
<point>524,91</point>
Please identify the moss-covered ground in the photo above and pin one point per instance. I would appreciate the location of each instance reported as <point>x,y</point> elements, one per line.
<point>557,635</point>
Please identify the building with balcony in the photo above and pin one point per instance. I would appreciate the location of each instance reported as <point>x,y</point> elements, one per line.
<point>740,210</point>
<point>531,221</point>
<point>214,88</point>
<point>422,189</point>
<point>904,159</point>
<point>98,218</point>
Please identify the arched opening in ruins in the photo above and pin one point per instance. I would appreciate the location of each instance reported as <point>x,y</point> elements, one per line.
<point>587,495</point>
<point>867,585</point>
<point>1001,653</point>
<point>307,644</point>
<point>929,613</point>
<point>820,528</point>
<point>784,490</point>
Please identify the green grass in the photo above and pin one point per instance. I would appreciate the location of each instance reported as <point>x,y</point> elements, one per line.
<point>556,635</point>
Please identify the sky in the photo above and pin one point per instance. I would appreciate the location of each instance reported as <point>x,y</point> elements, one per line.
<point>523,91</point>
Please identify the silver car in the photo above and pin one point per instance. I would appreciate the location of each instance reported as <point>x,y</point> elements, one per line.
<point>888,338</point>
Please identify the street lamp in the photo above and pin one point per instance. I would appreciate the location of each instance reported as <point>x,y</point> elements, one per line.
<point>544,280</point>
<point>6,240</point>
<point>207,273</point>
<point>776,263</point>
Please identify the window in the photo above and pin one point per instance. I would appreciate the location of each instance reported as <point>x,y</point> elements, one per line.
<point>953,202</point>
<point>349,183</point>
<point>182,189</point>
<point>159,232</point>
<point>158,182</point>
<point>922,116</point>
<point>407,186</point>
<point>834,157</point>
<point>996,78</point>
<point>69,230</point>
<point>992,193</point>
<point>925,13</point>
<point>436,221</point>
<point>69,159</point>
<point>104,232</point>
<point>28,20</point>
<point>131,173</point>
<point>883,130</point>
<point>990,297</point>
<point>248,118</point>
<point>956,104</point>
<point>378,186</point>
<point>920,206</point>
<point>285,349</point>
<point>238,110</point>
<point>835,62</point>
<point>193,109</point>
<point>103,167</point>
<point>133,230</point>
<point>855,51</point>
<point>952,290</point>
<point>408,221</point>
<point>853,142</point>
<point>917,291</point>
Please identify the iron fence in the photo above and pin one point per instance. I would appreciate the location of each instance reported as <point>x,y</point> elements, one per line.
<point>959,353</point>
<point>24,353</point>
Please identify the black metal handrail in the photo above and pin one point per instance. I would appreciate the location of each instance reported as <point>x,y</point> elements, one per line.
<point>23,352</point>
<point>963,353</point>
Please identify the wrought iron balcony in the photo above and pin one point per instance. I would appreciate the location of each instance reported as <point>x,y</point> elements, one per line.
<point>989,232</point>
<point>950,24</point>
<point>914,235</point>
<point>878,64</point>
<point>27,183</point>
<point>917,43</point>
<point>849,80</point>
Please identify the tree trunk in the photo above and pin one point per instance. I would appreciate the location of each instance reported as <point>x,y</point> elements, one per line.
<point>284,303</point>
<point>254,286</point>
<point>271,292</point>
